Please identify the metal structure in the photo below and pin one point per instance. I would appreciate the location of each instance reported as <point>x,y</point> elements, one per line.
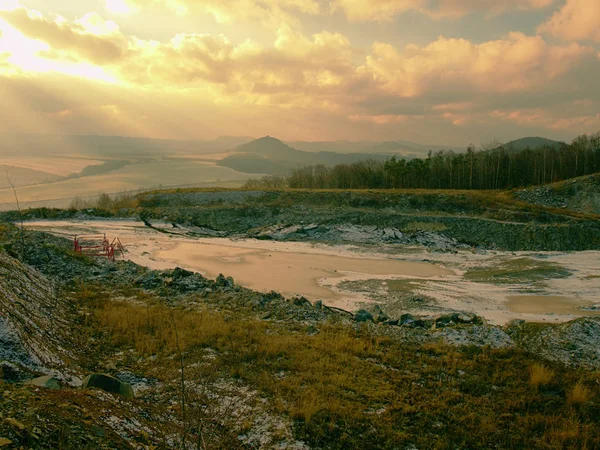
<point>98,245</point>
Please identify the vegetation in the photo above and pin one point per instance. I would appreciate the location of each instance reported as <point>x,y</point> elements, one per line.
<point>349,388</point>
<point>98,169</point>
<point>105,202</point>
<point>517,270</point>
<point>491,167</point>
<point>541,375</point>
<point>266,182</point>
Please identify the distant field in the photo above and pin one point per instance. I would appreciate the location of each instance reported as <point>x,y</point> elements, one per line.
<point>201,156</point>
<point>62,165</point>
<point>20,176</point>
<point>128,178</point>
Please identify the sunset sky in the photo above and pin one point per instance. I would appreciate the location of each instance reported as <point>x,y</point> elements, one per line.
<point>432,71</point>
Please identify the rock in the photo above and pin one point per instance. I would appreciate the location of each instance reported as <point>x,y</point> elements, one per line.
<point>378,315</point>
<point>221,281</point>
<point>301,301</point>
<point>447,320</point>
<point>407,320</point>
<point>318,304</point>
<point>108,384</point>
<point>516,323</point>
<point>389,233</point>
<point>362,315</point>
<point>47,381</point>
<point>178,273</point>
<point>468,318</point>
<point>4,442</point>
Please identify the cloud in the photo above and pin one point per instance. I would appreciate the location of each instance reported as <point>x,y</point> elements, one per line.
<point>516,63</point>
<point>90,38</point>
<point>271,13</point>
<point>295,67</point>
<point>386,10</point>
<point>577,20</point>
<point>302,84</point>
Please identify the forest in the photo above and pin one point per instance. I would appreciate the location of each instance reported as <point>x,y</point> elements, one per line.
<point>490,167</point>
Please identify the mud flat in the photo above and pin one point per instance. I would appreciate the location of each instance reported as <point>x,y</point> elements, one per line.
<point>500,286</point>
<point>548,304</point>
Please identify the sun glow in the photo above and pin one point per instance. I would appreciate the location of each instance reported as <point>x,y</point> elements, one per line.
<point>119,7</point>
<point>25,55</point>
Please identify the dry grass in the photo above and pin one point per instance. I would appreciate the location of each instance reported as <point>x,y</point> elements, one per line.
<point>580,394</point>
<point>540,375</point>
<point>348,388</point>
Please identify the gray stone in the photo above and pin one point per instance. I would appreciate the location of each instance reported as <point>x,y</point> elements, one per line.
<point>47,381</point>
<point>108,383</point>
<point>301,301</point>
<point>362,315</point>
<point>378,315</point>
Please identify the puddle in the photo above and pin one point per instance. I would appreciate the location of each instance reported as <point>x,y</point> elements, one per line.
<point>290,272</point>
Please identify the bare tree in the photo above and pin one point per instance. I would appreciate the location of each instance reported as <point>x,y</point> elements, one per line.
<point>14,189</point>
<point>182,382</point>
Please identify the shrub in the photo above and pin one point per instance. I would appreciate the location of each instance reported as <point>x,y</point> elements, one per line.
<point>105,202</point>
<point>540,375</point>
<point>579,395</point>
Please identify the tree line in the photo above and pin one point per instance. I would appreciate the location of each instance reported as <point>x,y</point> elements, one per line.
<point>491,167</point>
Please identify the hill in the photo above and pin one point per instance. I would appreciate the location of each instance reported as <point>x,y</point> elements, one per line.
<point>272,156</point>
<point>578,194</point>
<point>532,143</point>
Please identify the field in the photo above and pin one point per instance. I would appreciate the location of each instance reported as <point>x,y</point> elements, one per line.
<point>138,176</point>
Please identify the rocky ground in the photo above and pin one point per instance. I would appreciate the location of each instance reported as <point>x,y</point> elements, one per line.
<point>41,293</point>
<point>265,371</point>
<point>578,194</point>
<point>437,219</point>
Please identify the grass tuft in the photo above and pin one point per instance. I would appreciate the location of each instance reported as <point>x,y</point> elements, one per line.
<point>579,395</point>
<point>540,374</point>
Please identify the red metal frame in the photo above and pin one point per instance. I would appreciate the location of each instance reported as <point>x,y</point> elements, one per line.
<point>97,245</point>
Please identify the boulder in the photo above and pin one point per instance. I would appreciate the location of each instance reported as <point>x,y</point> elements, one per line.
<point>445,321</point>
<point>178,273</point>
<point>378,315</point>
<point>301,301</point>
<point>108,384</point>
<point>407,320</point>
<point>468,318</point>
<point>362,315</point>
<point>47,381</point>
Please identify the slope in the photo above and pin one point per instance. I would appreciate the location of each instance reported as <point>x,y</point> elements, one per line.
<point>578,194</point>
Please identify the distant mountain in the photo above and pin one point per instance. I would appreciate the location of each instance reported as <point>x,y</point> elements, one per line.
<point>270,155</point>
<point>532,143</point>
<point>273,148</point>
<point>111,146</point>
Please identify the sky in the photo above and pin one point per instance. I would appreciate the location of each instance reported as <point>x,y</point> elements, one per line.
<point>444,72</point>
